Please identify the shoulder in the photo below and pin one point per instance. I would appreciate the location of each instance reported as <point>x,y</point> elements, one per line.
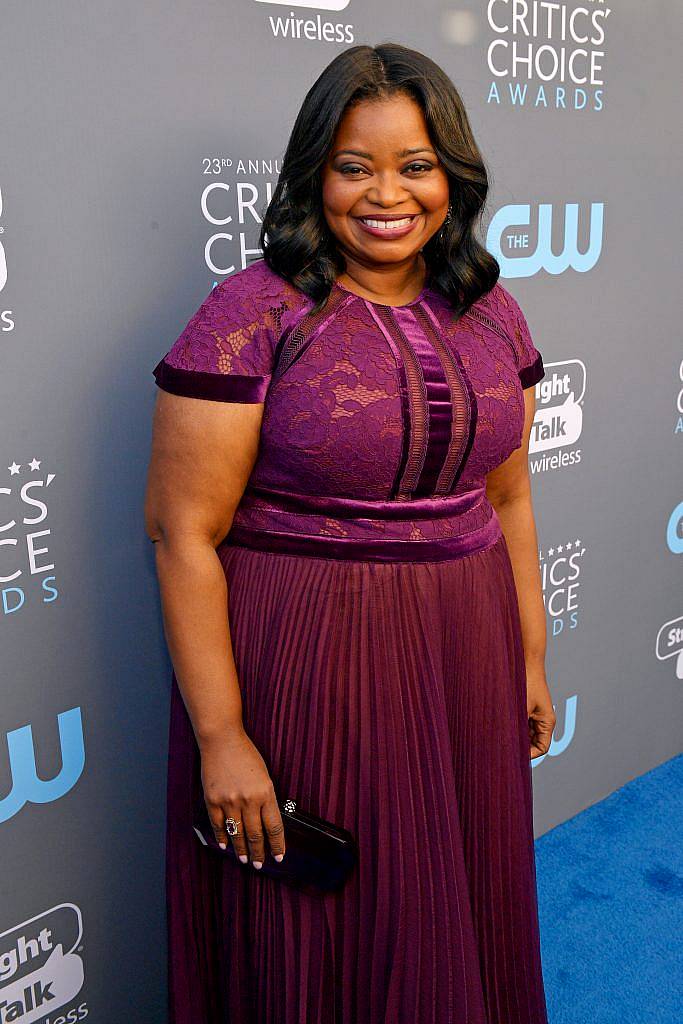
<point>503,308</point>
<point>255,290</point>
<point>501,305</point>
<point>227,349</point>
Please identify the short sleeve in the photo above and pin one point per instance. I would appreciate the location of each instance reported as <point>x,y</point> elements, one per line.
<point>529,361</point>
<point>226,351</point>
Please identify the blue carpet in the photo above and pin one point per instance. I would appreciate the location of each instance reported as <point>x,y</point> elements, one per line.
<point>610,888</point>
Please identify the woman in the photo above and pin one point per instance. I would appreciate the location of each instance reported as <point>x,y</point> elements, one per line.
<point>347,558</point>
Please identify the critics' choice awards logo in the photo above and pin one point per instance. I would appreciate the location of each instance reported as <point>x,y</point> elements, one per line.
<point>547,55</point>
<point>678,429</point>
<point>669,644</point>
<point>41,968</point>
<point>309,27</point>
<point>511,241</point>
<point>560,578</point>
<point>26,568</point>
<point>6,315</point>
<point>226,203</point>
<point>26,787</point>
<point>558,420</point>
<point>561,567</point>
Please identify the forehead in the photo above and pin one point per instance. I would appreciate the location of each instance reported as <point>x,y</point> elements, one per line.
<point>397,122</point>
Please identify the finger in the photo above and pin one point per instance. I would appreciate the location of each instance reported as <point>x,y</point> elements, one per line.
<point>544,733</point>
<point>239,843</point>
<point>253,830</point>
<point>217,819</point>
<point>540,735</point>
<point>274,828</point>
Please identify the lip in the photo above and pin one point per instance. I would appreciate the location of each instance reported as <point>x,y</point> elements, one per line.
<point>396,233</point>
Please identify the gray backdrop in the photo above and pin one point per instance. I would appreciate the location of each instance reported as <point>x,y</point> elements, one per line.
<point>139,145</point>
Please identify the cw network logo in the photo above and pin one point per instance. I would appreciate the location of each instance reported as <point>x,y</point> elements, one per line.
<point>559,744</point>
<point>674,530</point>
<point>26,787</point>
<point>507,228</point>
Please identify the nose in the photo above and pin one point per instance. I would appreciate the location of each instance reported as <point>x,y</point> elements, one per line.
<point>388,190</point>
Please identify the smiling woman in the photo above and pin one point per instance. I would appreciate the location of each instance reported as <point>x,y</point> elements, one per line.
<point>352,624</point>
<point>384,206</point>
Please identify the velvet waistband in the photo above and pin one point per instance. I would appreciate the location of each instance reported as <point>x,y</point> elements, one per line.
<point>423,529</point>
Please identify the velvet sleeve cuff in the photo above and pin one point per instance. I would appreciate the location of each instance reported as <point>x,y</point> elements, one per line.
<point>216,387</point>
<point>530,375</point>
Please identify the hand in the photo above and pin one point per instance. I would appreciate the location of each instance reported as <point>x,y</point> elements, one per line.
<point>540,711</point>
<point>236,784</point>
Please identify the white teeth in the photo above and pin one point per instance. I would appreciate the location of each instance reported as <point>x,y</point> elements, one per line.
<point>387,225</point>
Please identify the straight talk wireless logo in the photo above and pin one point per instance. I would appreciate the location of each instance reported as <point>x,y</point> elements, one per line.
<point>558,423</point>
<point>309,28</point>
<point>6,315</point>
<point>41,968</point>
<point>3,261</point>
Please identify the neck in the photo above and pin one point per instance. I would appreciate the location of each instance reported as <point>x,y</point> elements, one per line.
<point>391,284</point>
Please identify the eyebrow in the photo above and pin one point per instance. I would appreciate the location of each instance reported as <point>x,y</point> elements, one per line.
<point>401,153</point>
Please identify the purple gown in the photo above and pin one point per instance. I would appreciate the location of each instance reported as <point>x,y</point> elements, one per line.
<point>376,632</point>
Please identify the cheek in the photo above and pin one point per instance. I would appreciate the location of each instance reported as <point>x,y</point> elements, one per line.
<point>338,196</point>
<point>436,196</point>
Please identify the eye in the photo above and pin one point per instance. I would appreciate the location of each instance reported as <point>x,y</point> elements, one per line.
<point>350,167</point>
<point>419,166</point>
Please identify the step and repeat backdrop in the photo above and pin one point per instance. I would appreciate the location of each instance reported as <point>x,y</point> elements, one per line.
<point>139,146</point>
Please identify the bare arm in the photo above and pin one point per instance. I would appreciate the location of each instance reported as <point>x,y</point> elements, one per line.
<point>508,488</point>
<point>201,458</point>
<point>202,455</point>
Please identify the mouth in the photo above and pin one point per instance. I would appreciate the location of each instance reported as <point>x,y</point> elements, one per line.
<point>388,225</point>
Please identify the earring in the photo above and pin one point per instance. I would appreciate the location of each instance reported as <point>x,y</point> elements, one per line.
<point>447,219</point>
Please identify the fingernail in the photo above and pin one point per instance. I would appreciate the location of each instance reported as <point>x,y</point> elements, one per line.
<point>244,858</point>
<point>279,856</point>
<point>222,846</point>
<point>257,864</point>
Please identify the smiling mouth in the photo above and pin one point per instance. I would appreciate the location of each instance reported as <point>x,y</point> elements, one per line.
<point>388,223</point>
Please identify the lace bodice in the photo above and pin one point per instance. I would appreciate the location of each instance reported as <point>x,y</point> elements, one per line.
<point>364,403</point>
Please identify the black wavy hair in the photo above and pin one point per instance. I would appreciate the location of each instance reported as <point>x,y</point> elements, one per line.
<point>295,238</point>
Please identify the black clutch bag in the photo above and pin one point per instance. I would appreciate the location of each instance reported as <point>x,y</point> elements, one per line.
<point>319,856</point>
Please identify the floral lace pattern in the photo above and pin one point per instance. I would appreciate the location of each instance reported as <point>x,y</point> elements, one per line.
<point>364,401</point>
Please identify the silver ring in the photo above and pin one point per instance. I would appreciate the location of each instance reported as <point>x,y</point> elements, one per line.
<point>232,826</point>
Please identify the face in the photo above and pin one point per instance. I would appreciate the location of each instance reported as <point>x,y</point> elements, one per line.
<point>382,170</point>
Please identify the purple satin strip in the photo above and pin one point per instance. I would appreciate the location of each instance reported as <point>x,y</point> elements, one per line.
<point>381,550</point>
<point>438,399</point>
<point>343,508</point>
<point>216,387</point>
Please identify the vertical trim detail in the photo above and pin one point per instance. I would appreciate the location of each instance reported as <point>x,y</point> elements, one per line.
<point>438,403</point>
<point>463,398</point>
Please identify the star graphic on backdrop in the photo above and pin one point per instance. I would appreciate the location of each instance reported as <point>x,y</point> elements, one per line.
<point>14,468</point>
<point>34,463</point>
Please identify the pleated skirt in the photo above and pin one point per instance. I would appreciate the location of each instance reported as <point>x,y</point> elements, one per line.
<point>389,698</point>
